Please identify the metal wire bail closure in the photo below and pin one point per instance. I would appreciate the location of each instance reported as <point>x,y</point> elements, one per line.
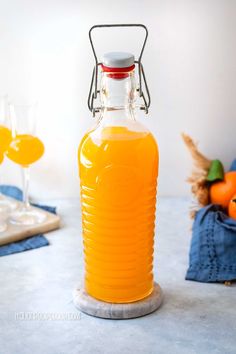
<point>93,91</point>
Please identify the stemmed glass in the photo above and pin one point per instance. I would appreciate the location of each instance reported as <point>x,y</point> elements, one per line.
<point>25,149</point>
<point>6,204</point>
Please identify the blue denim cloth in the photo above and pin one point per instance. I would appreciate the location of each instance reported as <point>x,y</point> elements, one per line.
<point>31,242</point>
<point>212,256</point>
<point>233,166</point>
<point>213,247</point>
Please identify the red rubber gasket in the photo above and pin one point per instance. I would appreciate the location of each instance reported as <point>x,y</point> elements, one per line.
<point>117,73</point>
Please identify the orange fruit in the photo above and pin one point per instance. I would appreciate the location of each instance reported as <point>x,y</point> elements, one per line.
<point>221,192</point>
<point>232,208</point>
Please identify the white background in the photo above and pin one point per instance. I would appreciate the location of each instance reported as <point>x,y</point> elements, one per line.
<point>190,63</point>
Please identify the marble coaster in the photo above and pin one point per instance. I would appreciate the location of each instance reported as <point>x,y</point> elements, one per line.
<point>97,308</point>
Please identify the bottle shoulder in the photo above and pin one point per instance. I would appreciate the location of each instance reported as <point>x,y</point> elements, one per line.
<point>128,126</point>
<point>119,141</point>
<point>117,130</point>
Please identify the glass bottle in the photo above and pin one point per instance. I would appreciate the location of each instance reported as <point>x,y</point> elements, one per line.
<point>118,167</point>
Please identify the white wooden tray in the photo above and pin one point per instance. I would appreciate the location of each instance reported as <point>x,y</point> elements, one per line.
<point>15,232</point>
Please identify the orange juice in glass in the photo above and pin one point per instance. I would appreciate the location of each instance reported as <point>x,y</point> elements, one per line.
<point>6,204</point>
<point>25,149</point>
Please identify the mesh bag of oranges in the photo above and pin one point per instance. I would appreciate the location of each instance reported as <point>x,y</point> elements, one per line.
<point>213,247</point>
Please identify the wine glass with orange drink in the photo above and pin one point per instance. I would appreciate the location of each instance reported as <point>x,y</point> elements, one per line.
<point>6,204</point>
<point>25,149</point>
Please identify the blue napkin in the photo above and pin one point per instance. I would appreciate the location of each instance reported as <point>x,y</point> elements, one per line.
<point>233,166</point>
<point>213,248</point>
<point>31,242</point>
<point>212,255</point>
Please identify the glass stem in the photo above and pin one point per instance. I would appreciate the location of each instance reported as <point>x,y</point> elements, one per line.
<point>26,179</point>
<point>0,182</point>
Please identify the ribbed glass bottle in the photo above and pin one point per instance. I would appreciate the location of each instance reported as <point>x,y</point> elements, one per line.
<point>118,165</point>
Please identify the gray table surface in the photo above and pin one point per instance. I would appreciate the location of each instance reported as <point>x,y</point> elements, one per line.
<point>37,314</point>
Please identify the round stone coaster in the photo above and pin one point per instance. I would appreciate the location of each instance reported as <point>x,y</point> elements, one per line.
<point>97,308</point>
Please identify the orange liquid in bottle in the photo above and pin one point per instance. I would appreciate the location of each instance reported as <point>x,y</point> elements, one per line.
<point>25,149</point>
<point>5,139</point>
<point>118,173</point>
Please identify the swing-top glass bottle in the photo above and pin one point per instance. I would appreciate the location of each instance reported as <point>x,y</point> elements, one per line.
<point>118,166</point>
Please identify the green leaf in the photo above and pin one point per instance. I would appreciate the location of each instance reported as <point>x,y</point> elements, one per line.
<point>216,171</point>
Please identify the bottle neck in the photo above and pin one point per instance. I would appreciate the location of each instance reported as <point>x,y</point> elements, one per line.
<point>118,95</point>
